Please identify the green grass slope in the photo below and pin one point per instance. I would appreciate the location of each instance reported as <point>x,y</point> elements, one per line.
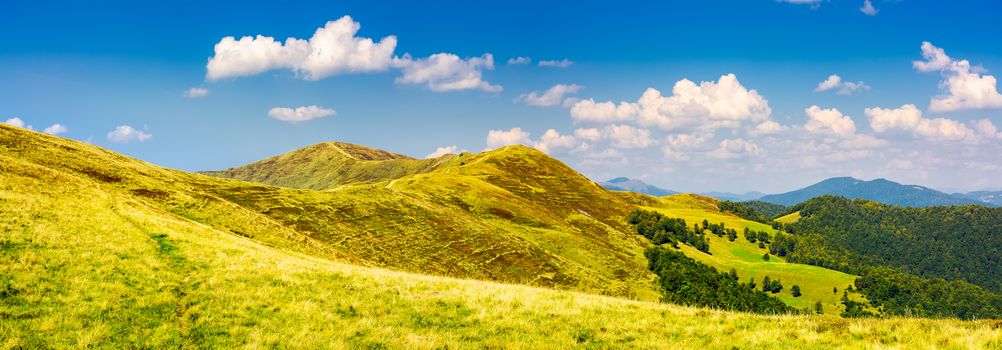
<point>816,283</point>
<point>511,215</point>
<point>87,260</point>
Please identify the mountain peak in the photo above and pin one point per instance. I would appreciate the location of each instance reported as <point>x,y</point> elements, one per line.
<point>354,151</point>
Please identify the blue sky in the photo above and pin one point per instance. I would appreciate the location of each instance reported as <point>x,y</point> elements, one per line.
<point>116,74</point>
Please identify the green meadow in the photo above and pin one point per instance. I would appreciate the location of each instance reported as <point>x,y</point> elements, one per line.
<point>98,250</point>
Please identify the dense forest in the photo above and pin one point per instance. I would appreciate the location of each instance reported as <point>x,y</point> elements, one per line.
<point>688,282</point>
<point>953,243</point>
<point>934,262</point>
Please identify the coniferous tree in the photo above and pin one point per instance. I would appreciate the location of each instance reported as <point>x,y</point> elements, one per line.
<point>795,290</point>
<point>777,286</point>
<point>766,284</point>
<point>818,308</point>
<point>761,244</point>
<point>765,257</point>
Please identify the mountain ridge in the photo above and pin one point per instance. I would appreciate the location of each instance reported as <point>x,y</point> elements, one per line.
<point>877,190</point>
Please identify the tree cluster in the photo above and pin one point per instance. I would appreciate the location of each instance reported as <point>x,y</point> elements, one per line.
<point>661,229</point>
<point>688,282</point>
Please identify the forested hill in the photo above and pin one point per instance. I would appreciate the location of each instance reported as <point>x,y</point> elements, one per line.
<point>949,242</point>
<point>879,190</point>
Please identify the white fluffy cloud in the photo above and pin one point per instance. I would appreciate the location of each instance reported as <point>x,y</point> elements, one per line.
<point>196,92</point>
<point>551,97</point>
<point>553,140</point>
<point>736,148</point>
<point>550,141</point>
<point>446,72</point>
<point>520,60</point>
<point>126,134</point>
<point>835,82</point>
<point>625,136</point>
<point>868,8</point>
<point>564,63</point>
<point>935,59</point>
<point>333,49</point>
<point>501,138</point>
<point>964,87</point>
<point>767,127</point>
<point>589,134</point>
<point>829,121</point>
<point>708,105</point>
<point>909,118</point>
<point>300,114</point>
<point>441,151</point>
<point>56,129</point>
<point>17,122</point>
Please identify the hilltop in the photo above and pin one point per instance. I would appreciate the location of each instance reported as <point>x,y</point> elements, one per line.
<point>99,249</point>
<point>879,190</point>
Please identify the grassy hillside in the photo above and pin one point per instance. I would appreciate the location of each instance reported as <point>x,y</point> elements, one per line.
<point>87,259</point>
<point>330,164</point>
<point>816,283</point>
<point>473,218</point>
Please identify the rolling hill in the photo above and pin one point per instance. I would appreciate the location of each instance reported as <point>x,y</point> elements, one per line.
<point>634,185</point>
<point>472,217</point>
<point>102,250</point>
<point>879,190</point>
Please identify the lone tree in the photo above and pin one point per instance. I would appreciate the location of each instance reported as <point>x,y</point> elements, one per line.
<point>777,286</point>
<point>765,257</point>
<point>766,284</point>
<point>795,290</point>
<point>818,309</point>
<point>834,290</point>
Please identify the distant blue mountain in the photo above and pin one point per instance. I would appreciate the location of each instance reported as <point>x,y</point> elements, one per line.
<point>734,197</point>
<point>993,198</point>
<point>879,190</point>
<point>634,185</point>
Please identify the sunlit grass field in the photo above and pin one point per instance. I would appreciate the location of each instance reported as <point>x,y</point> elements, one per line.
<point>93,255</point>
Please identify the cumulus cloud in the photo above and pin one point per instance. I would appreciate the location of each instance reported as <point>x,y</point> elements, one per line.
<point>300,114</point>
<point>446,72</point>
<point>196,92</point>
<point>868,8</point>
<point>588,134</point>
<point>767,127</point>
<point>56,129</point>
<point>126,134</point>
<point>441,151</point>
<point>519,60</point>
<point>564,63</point>
<point>551,97</point>
<point>935,59</point>
<point>553,140</point>
<point>709,105</point>
<point>501,138</point>
<point>625,136</point>
<point>333,49</point>
<point>963,87</point>
<point>736,148</point>
<point>909,118</point>
<point>17,122</point>
<point>829,121</point>
<point>835,82</point>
